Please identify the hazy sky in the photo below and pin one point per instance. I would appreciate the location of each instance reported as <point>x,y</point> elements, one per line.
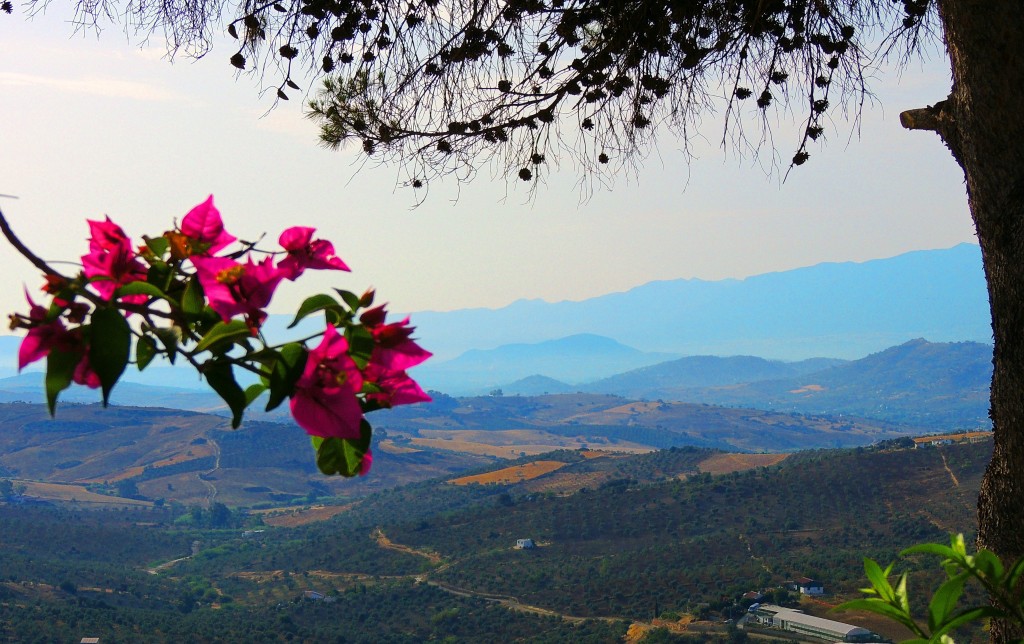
<point>92,126</point>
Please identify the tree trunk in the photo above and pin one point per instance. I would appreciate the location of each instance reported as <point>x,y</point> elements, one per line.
<point>982,122</point>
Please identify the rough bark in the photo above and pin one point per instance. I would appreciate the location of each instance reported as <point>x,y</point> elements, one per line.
<point>982,122</point>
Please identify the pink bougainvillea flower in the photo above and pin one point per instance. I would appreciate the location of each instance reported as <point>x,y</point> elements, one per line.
<point>234,288</point>
<point>203,224</point>
<point>84,375</point>
<point>111,261</point>
<point>305,252</point>
<point>324,403</point>
<point>42,335</point>
<point>105,235</point>
<point>364,466</point>
<point>394,350</point>
<point>396,387</point>
<point>45,336</point>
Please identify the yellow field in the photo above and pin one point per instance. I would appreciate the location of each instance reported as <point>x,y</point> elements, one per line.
<point>514,474</point>
<point>393,448</point>
<point>69,492</point>
<point>725,463</point>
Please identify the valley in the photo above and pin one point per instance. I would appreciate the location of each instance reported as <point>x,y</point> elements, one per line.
<point>657,544</point>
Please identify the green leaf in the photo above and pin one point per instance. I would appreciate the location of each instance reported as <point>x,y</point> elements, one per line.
<point>193,300</point>
<point>956,542</point>
<point>252,392</point>
<point>145,350</point>
<point>286,370</point>
<point>969,615</point>
<point>901,594</point>
<point>110,346</point>
<point>878,579</point>
<point>224,332</point>
<point>944,601</point>
<point>158,245</point>
<point>350,298</point>
<point>930,548</point>
<point>169,337</point>
<point>221,377</point>
<point>60,368</point>
<point>159,274</point>
<point>140,288</point>
<point>313,304</point>
<point>989,565</point>
<point>343,455</point>
<point>881,607</point>
<point>360,344</point>
<point>1014,574</point>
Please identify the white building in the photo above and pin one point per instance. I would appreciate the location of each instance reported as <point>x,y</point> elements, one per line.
<point>795,621</point>
<point>524,544</point>
<point>808,586</point>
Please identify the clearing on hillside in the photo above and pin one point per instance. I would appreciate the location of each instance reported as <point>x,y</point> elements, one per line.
<point>303,516</point>
<point>515,474</point>
<point>725,463</point>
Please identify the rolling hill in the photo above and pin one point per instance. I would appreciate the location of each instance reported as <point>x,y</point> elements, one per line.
<point>920,383</point>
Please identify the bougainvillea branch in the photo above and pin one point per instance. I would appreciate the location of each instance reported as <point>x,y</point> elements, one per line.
<point>184,293</point>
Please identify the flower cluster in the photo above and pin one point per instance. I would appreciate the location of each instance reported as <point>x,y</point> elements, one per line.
<point>181,295</point>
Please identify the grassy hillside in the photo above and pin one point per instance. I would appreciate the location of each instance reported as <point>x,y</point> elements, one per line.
<point>179,456</point>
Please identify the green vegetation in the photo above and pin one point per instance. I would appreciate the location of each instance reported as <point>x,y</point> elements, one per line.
<point>637,537</point>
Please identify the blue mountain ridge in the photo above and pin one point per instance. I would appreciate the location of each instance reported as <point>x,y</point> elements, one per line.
<point>840,310</point>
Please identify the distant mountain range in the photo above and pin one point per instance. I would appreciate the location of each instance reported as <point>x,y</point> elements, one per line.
<point>845,310</point>
<point>576,358</point>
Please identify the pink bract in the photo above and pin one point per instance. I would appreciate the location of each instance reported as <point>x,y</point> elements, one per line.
<point>84,375</point>
<point>233,289</point>
<point>105,235</point>
<point>112,259</point>
<point>305,252</point>
<point>39,341</point>
<point>397,387</point>
<point>395,350</point>
<point>204,225</point>
<point>324,403</point>
<point>47,336</point>
<point>364,466</point>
